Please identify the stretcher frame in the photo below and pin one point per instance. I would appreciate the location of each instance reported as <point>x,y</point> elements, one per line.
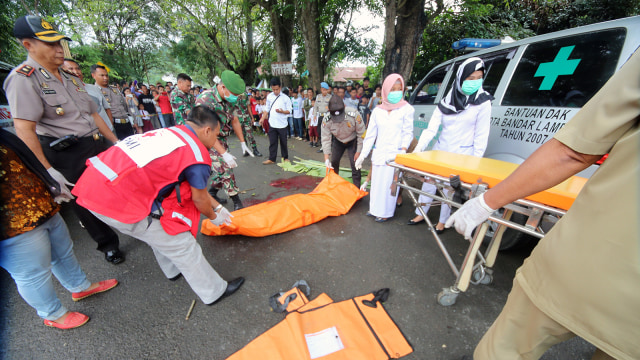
<point>472,271</point>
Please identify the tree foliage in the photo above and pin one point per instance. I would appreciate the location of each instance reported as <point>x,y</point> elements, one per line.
<point>495,19</point>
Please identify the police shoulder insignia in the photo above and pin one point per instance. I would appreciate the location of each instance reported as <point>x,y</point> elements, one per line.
<point>45,73</point>
<point>115,91</point>
<point>25,70</point>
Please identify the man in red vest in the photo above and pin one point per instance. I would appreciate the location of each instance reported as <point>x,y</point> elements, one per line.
<point>153,187</point>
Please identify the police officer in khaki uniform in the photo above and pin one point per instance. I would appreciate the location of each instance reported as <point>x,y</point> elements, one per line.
<point>56,118</point>
<point>321,108</point>
<point>119,108</point>
<point>342,130</point>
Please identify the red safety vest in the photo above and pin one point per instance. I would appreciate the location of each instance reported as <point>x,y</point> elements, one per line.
<point>122,182</point>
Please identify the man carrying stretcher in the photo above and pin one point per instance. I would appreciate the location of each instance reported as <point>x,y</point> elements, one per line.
<point>583,278</point>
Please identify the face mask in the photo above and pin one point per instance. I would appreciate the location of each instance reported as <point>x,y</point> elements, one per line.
<point>231,98</point>
<point>394,97</point>
<point>471,86</point>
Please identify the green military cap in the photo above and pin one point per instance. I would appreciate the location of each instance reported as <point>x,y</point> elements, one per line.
<point>233,82</point>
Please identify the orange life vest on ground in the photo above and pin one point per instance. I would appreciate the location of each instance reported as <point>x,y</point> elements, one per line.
<point>355,329</point>
<point>123,182</point>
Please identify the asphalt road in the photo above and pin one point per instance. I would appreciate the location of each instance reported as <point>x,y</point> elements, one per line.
<point>347,256</point>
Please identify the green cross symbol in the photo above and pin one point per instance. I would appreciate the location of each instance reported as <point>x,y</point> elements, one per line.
<point>559,66</point>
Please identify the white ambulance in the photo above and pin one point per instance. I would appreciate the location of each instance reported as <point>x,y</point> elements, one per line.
<point>539,84</point>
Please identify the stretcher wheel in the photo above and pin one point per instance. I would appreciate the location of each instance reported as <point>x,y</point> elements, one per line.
<point>447,297</point>
<point>484,278</point>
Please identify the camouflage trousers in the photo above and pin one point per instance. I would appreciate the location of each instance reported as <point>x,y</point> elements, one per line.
<point>247,131</point>
<point>221,174</point>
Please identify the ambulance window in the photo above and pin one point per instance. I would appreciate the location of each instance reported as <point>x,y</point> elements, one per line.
<point>430,87</point>
<point>3,98</point>
<point>565,71</point>
<point>494,69</point>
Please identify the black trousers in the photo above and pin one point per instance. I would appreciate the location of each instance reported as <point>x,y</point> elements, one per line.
<point>122,130</point>
<point>274,135</point>
<point>71,163</point>
<point>337,150</point>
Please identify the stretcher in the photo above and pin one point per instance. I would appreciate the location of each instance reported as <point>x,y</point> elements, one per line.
<point>459,177</point>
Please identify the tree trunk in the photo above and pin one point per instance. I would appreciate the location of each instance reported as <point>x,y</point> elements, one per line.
<point>282,30</point>
<point>308,14</point>
<point>405,21</point>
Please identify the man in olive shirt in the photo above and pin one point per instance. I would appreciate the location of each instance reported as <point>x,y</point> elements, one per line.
<point>583,277</point>
<point>56,118</point>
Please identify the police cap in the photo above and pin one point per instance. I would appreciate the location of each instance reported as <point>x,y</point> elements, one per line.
<point>35,27</point>
<point>336,108</point>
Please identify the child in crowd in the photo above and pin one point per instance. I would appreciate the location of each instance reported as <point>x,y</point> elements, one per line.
<point>363,108</point>
<point>313,126</point>
<point>257,112</point>
<point>143,119</point>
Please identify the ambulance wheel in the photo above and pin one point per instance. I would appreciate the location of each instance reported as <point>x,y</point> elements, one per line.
<point>485,278</point>
<point>447,298</point>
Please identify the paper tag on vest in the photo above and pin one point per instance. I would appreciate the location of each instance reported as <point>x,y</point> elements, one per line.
<point>323,342</point>
<point>144,148</point>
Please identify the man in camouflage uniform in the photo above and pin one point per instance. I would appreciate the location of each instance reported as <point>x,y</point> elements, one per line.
<point>243,112</point>
<point>222,99</point>
<point>181,99</point>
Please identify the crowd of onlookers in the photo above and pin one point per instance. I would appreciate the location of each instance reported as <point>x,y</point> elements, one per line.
<point>303,122</point>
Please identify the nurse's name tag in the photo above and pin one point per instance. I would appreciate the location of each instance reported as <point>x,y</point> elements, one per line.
<point>144,148</point>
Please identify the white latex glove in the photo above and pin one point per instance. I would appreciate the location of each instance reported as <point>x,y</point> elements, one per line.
<point>223,216</point>
<point>363,187</point>
<point>359,162</point>
<point>327,163</point>
<point>230,159</point>
<point>65,194</point>
<point>245,149</point>
<point>473,213</point>
<point>63,198</point>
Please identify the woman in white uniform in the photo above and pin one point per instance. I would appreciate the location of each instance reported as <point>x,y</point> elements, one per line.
<point>391,130</point>
<point>465,115</point>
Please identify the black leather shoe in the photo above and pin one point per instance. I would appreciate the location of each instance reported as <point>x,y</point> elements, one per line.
<point>214,193</point>
<point>411,222</point>
<point>245,154</point>
<point>114,256</point>
<point>439,231</point>
<point>176,277</point>
<point>256,152</point>
<point>232,286</point>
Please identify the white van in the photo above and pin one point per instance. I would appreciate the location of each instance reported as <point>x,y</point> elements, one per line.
<point>539,84</point>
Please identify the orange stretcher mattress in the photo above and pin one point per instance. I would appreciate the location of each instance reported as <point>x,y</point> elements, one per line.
<point>473,169</point>
<point>334,196</point>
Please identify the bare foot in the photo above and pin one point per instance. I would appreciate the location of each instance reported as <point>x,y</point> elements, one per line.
<point>417,219</point>
<point>440,226</point>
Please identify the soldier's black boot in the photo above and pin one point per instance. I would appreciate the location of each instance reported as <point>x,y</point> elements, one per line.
<point>237,203</point>
<point>256,152</point>
<point>214,192</point>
